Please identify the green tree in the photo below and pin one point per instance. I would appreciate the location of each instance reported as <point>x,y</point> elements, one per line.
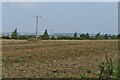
<point>53,38</point>
<point>106,36</point>
<point>75,34</point>
<point>118,36</point>
<point>45,35</point>
<point>14,34</point>
<point>97,36</point>
<point>87,35</point>
<point>82,36</point>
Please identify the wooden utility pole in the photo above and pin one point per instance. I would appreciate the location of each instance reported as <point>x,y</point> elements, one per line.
<point>37,25</point>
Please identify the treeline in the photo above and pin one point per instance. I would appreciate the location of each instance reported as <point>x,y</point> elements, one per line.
<point>16,35</point>
<point>46,36</point>
<point>86,36</point>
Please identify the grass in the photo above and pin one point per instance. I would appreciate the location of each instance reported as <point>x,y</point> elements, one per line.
<point>60,59</point>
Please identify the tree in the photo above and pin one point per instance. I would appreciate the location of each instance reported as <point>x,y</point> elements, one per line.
<point>53,38</point>
<point>82,36</point>
<point>106,36</point>
<point>14,34</point>
<point>97,36</point>
<point>87,35</point>
<point>118,36</point>
<point>75,34</point>
<point>45,35</point>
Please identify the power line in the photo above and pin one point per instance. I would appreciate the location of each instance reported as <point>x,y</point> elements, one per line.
<point>27,10</point>
<point>18,10</point>
<point>43,22</point>
<point>22,10</point>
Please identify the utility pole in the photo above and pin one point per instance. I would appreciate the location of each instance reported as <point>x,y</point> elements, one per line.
<point>37,25</point>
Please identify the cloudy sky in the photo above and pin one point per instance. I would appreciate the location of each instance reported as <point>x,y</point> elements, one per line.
<point>61,17</point>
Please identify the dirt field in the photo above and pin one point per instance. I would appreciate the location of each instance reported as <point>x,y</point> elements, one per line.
<point>48,59</point>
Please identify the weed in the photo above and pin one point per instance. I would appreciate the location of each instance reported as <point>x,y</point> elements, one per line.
<point>106,68</point>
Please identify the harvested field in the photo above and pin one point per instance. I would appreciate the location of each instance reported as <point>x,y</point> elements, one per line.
<point>59,59</point>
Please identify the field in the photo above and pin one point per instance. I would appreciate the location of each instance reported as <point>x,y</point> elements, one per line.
<point>60,59</point>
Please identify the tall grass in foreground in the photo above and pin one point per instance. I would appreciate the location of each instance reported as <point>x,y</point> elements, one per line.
<point>107,70</point>
<point>118,67</point>
<point>119,70</point>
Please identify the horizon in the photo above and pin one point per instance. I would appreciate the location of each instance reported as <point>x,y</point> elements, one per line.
<point>31,33</point>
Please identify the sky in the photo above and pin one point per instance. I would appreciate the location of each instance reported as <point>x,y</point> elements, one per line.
<point>60,17</point>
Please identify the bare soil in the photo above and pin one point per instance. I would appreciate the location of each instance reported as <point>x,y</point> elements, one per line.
<point>59,59</point>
